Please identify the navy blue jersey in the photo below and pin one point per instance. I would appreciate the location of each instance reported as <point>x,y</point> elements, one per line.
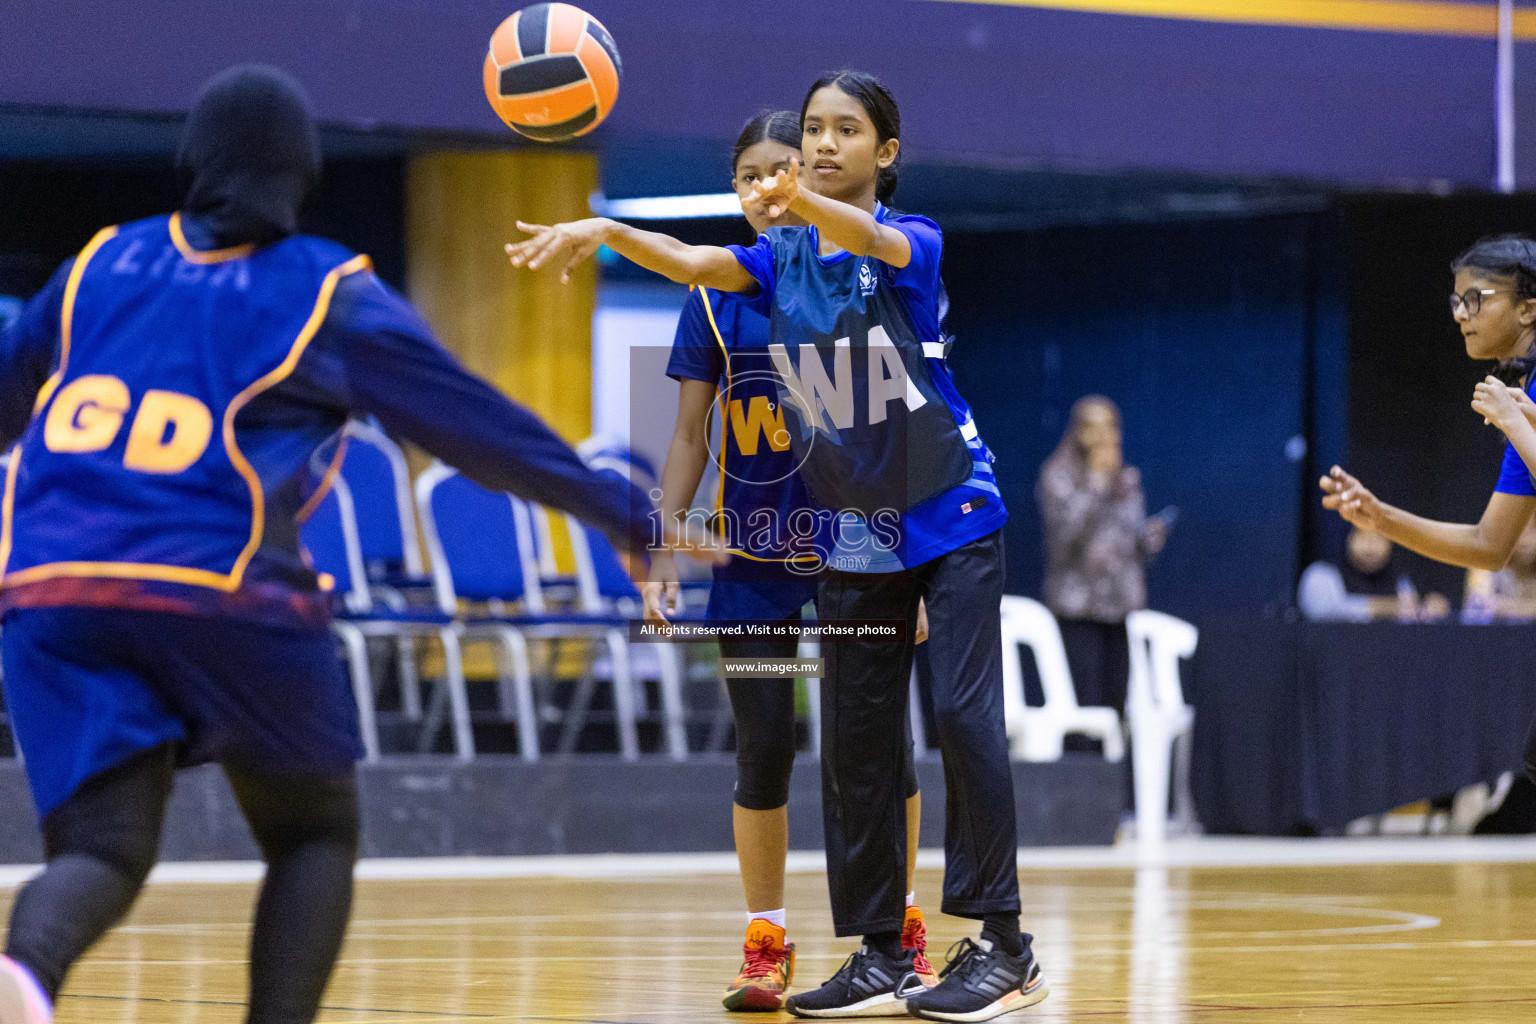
<point>777,535</point>
<point>165,403</point>
<point>883,436</point>
<point>1515,475</point>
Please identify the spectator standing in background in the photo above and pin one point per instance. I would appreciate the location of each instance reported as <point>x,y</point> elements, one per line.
<point>1369,587</point>
<point>1098,538</point>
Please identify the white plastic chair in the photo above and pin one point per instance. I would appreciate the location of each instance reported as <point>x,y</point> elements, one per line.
<point>1162,725</point>
<point>1036,734</point>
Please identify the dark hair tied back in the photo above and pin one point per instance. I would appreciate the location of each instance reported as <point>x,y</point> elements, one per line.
<point>880,105</point>
<point>781,126</point>
<point>1513,257</point>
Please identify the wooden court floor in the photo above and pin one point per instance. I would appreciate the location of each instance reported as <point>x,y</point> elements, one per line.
<point>1340,944</point>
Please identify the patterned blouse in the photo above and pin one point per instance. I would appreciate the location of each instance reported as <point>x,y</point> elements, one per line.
<point>1095,542</point>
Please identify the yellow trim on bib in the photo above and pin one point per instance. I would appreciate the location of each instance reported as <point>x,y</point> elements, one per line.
<point>199,256</point>
<point>175,573</point>
<point>722,403</point>
<point>271,380</point>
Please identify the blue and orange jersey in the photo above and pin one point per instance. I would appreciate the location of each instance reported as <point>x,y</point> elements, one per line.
<point>880,430</point>
<point>167,404</point>
<point>778,536</point>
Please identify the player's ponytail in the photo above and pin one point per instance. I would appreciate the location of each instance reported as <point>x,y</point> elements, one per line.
<point>880,105</point>
<point>781,126</point>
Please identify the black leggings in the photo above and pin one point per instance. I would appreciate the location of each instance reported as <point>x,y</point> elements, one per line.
<point>764,710</point>
<point>101,843</point>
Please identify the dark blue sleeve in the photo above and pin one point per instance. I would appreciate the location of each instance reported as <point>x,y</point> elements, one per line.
<point>696,348</point>
<point>918,282</point>
<point>758,261</point>
<point>29,348</point>
<point>920,277</point>
<point>1514,475</point>
<point>376,355</point>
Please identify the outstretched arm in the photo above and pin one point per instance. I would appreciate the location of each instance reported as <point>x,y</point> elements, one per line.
<point>1486,544</point>
<point>375,354</point>
<point>847,227</point>
<point>565,245</point>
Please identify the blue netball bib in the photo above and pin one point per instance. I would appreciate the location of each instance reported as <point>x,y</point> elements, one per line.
<point>871,430</point>
<point>132,467</point>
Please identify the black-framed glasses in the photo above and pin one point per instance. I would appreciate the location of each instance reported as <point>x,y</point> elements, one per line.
<point>1472,299</point>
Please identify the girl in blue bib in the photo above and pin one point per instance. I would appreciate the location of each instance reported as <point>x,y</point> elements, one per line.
<point>720,358</point>
<point>889,449</point>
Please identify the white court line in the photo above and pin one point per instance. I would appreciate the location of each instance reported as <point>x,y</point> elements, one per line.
<point>1110,949</point>
<point>1184,853</point>
<point>1225,852</point>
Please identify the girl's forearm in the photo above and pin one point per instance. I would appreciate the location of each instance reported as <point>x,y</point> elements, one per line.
<point>1460,544</point>
<point>847,227</point>
<point>708,265</point>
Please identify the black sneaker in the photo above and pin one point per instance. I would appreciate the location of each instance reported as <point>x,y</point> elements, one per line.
<point>869,984</point>
<point>980,983</point>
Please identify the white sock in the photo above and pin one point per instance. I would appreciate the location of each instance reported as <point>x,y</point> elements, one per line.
<point>771,916</point>
<point>912,898</point>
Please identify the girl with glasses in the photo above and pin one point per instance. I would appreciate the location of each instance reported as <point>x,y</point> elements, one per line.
<point>1494,304</point>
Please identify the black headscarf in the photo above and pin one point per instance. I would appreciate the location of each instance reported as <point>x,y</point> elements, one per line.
<point>250,156</point>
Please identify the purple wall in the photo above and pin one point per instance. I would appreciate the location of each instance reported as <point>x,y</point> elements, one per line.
<point>978,84</point>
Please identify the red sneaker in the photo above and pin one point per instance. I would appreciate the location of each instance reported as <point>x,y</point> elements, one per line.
<point>914,936</point>
<point>766,971</point>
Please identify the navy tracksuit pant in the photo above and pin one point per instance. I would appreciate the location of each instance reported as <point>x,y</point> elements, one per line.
<point>864,711</point>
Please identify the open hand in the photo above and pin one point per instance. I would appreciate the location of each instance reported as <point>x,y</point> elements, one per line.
<point>921,633</point>
<point>777,192</point>
<point>1494,401</point>
<point>1348,497</point>
<point>562,244</point>
<point>660,593</point>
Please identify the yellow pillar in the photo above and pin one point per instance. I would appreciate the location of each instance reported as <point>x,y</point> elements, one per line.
<point>524,331</point>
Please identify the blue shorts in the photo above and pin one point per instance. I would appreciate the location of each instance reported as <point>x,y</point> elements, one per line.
<point>87,688</point>
<point>765,591</point>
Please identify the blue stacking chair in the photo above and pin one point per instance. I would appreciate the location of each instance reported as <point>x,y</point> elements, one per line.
<point>380,480</point>
<point>483,552</point>
<point>376,471</point>
<point>606,452</point>
<point>330,539</point>
<point>606,591</point>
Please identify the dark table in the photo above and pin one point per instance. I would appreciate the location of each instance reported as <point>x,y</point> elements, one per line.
<point>1302,727</point>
